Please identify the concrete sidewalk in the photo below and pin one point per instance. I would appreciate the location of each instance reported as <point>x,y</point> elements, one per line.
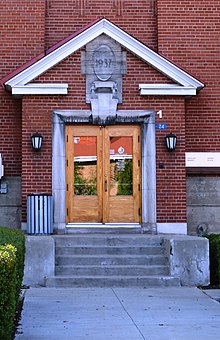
<point>120,314</point>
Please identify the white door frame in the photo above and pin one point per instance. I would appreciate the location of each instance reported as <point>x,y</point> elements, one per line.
<point>147,120</point>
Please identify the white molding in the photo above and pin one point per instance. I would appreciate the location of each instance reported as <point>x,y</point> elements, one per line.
<point>40,89</point>
<point>202,159</point>
<point>166,90</point>
<point>145,89</point>
<point>172,228</point>
<point>123,38</point>
<point>60,118</point>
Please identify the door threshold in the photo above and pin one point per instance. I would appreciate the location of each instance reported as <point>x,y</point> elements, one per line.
<point>103,225</point>
<point>106,228</point>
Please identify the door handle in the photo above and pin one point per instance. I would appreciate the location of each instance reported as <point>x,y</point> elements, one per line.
<point>106,186</point>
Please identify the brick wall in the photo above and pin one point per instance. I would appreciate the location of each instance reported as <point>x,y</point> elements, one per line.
<point>188,34</point>
<point>10,141</point>
<point>138,18</point>
<point>22,37</point>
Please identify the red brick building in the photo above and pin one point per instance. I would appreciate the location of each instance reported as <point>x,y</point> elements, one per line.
<point>136,70</point>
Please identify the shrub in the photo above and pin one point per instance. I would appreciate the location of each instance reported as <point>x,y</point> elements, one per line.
<point>12,251</point>
<point>8,289</point>
<point>17,239</point>
<point>214,253</point>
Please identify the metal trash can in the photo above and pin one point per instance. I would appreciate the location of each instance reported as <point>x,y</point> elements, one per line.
<point>40,214</point>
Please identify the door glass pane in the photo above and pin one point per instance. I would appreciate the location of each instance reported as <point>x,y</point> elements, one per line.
<point>121,151</point>
<point>85,166</point>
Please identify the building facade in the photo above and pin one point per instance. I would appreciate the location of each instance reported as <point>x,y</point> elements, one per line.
<point>104,83</point>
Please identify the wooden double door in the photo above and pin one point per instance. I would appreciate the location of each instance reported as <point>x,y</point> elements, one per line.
<point>103,174</point>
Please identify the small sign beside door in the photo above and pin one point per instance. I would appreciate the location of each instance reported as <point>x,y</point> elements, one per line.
<point>161,126</point>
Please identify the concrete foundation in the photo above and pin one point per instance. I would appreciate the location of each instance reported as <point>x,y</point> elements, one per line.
<point>10,203</point>
<point>189,259</point>
<point>203,204</point>
<point>39,260</point>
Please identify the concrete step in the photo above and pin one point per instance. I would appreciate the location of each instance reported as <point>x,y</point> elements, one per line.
<point>106,260</point>
<point>107,240</point>
<point>110,260</point>
<point>112,281</point>
<point>112,250</point>
<point>111,270</point>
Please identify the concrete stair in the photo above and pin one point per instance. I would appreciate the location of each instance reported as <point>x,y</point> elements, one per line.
<point>110,261</point>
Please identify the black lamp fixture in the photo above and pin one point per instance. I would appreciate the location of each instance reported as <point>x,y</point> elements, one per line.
<point>171,141</point>
<point>36,140</point>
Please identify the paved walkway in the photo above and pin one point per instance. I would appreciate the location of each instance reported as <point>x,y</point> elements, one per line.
<point>120,314</point>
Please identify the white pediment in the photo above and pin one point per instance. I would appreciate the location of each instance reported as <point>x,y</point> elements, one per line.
<point>20,83</point>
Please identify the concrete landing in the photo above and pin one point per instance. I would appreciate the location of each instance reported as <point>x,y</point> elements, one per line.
<point>119,314</point>
<point>186,259</point>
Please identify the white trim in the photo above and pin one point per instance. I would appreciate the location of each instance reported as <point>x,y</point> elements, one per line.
<point>202,159</point>
<point>130,43</point>
<point>103,225</point>
<point>40,89</point>
<point>172,228</point>
<point>166,89</point>
<point>94,158</point>
<point>60,118</point>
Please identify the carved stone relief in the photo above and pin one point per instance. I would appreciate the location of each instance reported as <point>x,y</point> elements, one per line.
<point>103,64</point>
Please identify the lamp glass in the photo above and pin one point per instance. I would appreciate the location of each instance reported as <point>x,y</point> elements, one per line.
<point>171,141</point>
<point>36,139</point>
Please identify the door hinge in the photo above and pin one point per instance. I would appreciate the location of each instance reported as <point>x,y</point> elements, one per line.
<point>67,211</point>
<point>138,139</point>
<point>139,163</point>
<point>139,211</point>
<point>139,187</point>
<point>67,163</point>
<point>67,138</point>
<point>67,187</point>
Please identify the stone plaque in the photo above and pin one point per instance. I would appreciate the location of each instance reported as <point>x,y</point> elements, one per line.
<point>103,62</point>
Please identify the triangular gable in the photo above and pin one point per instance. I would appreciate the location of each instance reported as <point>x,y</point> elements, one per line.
<point>19,82</point>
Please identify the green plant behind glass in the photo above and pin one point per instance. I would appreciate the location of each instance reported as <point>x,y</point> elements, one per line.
<point>125,179</point>
<point>83,186</point>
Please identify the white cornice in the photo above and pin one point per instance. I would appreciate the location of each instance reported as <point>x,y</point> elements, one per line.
<point>103,26</point>
<point>40,89</point>
<point>166,90</point>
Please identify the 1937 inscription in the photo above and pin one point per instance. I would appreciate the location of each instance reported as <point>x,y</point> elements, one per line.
<point>103,62</point>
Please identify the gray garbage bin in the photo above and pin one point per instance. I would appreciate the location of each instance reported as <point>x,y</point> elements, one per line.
<point>39,214</point>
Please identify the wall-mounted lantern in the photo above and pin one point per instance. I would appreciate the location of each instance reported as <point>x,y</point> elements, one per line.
<point>36,140</point>
<point>171,141</point>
